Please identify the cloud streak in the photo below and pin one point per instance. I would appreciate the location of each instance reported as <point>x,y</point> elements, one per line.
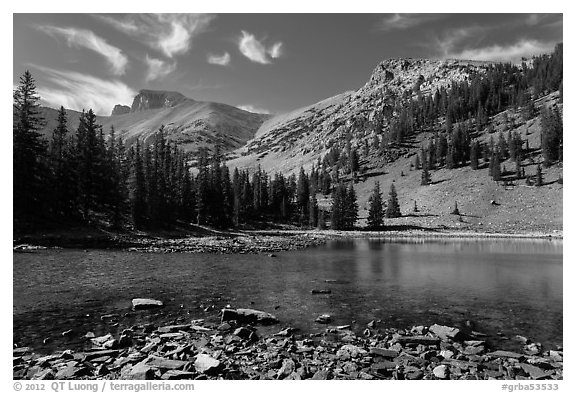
<point>78,91</point>
<point>171,34</point>
<point>254,109</point>
<point>256,51</point>
<point>222,60</point>
<point>513,52</point>
<point>405,21</point>
<point>158,69</point>
<point>87,39</point>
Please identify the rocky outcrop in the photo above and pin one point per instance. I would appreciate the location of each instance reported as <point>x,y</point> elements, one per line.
<point>120,110</point>
<point>156,99</point>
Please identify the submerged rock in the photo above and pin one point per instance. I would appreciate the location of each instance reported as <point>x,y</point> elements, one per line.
<point>141,303</point>
<point>248,315</point>
<point>324,318</point>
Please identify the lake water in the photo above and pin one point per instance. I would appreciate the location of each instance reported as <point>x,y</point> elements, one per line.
<point>504,287</point>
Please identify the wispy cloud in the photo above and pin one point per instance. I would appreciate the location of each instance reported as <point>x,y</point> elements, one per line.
<point>513,52</point>
<point>254,109</point>
<point>256,51</point>
<point>452,40</point>
<point>158,69</point>
<point>171,34</point>
<point>87,39</point>
<point>405,21</point>
<point>222,60</point>
<point>276,50</point>
<point>78,91</point>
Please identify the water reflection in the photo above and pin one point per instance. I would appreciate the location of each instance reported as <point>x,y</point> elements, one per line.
<point>501,285</point>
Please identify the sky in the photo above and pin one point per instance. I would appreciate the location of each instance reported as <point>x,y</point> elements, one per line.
<point>267,63</point>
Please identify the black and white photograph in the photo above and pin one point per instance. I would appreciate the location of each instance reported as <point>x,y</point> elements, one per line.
<point>287,196</point>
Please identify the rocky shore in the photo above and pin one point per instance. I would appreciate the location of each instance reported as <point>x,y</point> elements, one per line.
<point>235,347</point>
<point>252,242</point>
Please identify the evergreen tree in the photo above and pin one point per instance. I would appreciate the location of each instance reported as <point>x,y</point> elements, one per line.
<point>337,214</point>
<point>350,208</point>
<point>376,208</point>
<point>137,189</point>
<point>313,211</point>
<point>474,153</point>
<point>495,163</point>
<point>303,197</point>
<point>202,191</point>
<point>551,135</point>
<point>29,149</point>
<point>425,178</point>
<point>392,207</point>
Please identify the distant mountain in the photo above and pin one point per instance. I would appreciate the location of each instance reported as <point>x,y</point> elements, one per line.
<point>191,124</point>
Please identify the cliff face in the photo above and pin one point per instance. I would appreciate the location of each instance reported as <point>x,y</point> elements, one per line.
<point>153,99</point>
<point>120,110</point>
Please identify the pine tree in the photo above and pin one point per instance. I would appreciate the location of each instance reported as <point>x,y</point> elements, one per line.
<point>337,219</point>
<point>425,178</point>
<point>551,135</point>
<point>303,197</point>
<point>313,211</point>
<point>495,164</point>
<point>455,211</point>
<point>29,149</point>
<point>474,153</point>
<point>321,220</point>
<point>376,208</point>
<point>392,207</point>
<point>137,189</point>
<point>350,208</point>
<point>202,191</point>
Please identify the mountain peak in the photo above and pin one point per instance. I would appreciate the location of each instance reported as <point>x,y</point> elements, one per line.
<point>155,99</point>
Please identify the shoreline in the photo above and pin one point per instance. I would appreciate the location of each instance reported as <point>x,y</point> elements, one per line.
<point>253,241</point>
<point>235,348</point>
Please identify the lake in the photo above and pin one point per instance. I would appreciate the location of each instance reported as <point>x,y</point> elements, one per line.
<point>503,287</point>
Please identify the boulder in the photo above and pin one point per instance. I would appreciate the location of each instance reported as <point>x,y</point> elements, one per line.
<point>446,333</point>
<point>163,363</point>
<point>386,353</point>
<point>177,374</point>
<point>142,304</point>
<point>533,371</point>
<point>321,375</point>
<point>505,354</point>
<point>288,367</point>
<point>139,371</point>
<point>424,340</point>
<point>441,372</point>
<point>324,318</point>
<point>206,364</point>
<point>245,334</point>
<point>248,315</point>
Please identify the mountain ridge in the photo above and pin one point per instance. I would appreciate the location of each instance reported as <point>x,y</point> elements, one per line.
<point>189,123</point>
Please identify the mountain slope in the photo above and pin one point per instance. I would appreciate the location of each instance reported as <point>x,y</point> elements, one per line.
<point>190,124</point>
<point>286,142</point>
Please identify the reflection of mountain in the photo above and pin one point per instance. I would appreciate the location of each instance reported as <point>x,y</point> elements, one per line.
<point>191,124</point>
